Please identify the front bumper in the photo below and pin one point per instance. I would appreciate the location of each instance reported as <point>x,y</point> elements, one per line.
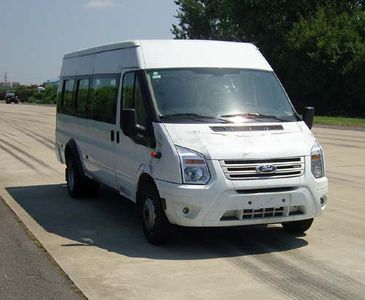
<point>226,202</point>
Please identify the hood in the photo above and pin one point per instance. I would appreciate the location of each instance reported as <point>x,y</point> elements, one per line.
<point>244,141</point>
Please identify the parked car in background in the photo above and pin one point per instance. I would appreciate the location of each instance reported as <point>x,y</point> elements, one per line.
<point>11,97</point>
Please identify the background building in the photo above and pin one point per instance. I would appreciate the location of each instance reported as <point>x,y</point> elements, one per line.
<point>9,84</point>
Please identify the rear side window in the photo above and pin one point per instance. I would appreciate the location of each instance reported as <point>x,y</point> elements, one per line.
<point>59,98</point>
<point>67,95</point>
<point>103,104</point>
<point>82,94</point>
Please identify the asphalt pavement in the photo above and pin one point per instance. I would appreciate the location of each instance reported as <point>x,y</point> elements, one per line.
<point>26,270</point>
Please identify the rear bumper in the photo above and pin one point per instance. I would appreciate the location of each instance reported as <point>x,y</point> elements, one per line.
<point>232,203</point>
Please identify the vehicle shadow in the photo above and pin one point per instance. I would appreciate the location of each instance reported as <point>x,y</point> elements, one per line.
<point>110,222</point>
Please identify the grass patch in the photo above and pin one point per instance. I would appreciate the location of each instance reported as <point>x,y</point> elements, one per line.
<point>339,121</point>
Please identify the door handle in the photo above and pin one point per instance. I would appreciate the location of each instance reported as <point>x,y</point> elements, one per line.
<point>117,137</point>
<point>112,135</point>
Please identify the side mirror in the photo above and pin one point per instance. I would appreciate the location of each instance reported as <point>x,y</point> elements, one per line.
<point>308,116</point>
<point>128,122</point>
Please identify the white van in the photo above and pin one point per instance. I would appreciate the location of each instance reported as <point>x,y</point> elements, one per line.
<point>197,133</point>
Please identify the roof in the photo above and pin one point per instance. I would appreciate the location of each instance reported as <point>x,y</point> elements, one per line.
<point>103,48</point>
<point>187,53</point>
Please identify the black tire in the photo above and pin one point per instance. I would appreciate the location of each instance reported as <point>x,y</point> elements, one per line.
<point>74,178</point>
<point>156,226</point>
<point>78,184</point>
<point>297,226</point>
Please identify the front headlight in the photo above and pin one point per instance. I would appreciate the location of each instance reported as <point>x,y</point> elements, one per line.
<point>317,161</point>
<point>194,168</point>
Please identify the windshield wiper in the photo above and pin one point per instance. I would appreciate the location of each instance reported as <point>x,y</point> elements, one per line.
<point>253,116</point>
<point>192,116</point>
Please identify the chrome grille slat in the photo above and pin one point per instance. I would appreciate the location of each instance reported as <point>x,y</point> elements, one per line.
<point>254,165</point>
<point>246,169</point>
<point>250,172</point>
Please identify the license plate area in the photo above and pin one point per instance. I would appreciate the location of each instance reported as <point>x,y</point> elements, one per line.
<point>268,201</point>
<point>261,206</point>
<point>267,206</point>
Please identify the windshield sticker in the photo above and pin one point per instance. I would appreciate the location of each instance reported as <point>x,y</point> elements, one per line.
<point>155,75</point>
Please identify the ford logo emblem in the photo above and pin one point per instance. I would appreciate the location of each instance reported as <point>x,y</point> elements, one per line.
<point>266,169</point>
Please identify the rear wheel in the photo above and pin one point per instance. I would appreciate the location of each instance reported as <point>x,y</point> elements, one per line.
<point>74,178</point>
<point>156,227</point>
<point>297,226</point>
<point>78,184</point>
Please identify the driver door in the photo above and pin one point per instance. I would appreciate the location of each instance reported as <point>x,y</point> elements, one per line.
<point>133,153</point>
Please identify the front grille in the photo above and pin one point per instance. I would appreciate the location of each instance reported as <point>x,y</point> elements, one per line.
<point>246,128</point>
<point>248,169</point>
<point>263,213</point>
<point>268,212</point>
<point>267,190</point>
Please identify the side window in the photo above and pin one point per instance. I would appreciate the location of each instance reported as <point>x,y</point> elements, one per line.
<point>133,97</point>
<point>104,99</point>
<point>82,93</point>
<point>128,90</point>
<point>68,87</point>
<point>139,104</point>
<point>59,98</point>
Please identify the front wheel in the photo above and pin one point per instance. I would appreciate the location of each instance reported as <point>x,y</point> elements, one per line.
<point>156,227</point>
<point>297,226</point>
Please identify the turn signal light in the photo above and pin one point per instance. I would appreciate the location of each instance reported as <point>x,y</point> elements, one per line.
<point>155,154</point>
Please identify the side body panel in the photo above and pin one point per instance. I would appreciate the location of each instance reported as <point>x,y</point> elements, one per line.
<point>93,138</point>
<point>132,160</point>
<point>99,153</point>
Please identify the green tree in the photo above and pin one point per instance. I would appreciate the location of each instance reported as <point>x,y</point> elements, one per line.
<point>297,38</point>
<point>326,58</point>
<point>25,92</point>
<point>49,95</point>
<point>264,22</point>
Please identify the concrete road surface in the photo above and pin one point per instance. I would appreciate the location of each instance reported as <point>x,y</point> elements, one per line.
<point>99,243</point>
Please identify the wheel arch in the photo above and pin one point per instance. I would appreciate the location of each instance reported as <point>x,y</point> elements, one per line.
<point>72,149</point>
<point>144,179</point>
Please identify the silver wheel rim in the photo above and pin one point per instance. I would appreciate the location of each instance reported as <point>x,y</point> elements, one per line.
<point>70,179</point>
<point>149,215</point>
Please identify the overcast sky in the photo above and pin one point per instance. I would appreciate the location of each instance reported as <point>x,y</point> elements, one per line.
<point>35,34</point>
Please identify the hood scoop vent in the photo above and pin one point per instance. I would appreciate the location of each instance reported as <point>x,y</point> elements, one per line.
<point>246,128</point>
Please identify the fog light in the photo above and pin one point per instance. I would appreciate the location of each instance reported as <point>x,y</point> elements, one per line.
<point>186,210</point>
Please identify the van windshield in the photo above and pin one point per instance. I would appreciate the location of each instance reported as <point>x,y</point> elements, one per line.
<point>221,94</point>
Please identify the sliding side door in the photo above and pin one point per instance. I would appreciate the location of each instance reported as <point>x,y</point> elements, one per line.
<point>101,127</point>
